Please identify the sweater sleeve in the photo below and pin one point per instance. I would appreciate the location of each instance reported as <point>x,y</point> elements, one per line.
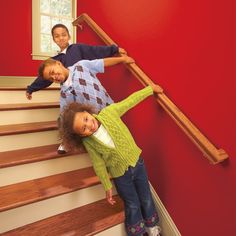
<point>131,101</point>
<point>96,52</point>
<point>99,167</point>
<point>40,83</point>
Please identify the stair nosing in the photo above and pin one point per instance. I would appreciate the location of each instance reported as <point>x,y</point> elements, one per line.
<point>28,128</point>
<point>31,155</point>
<point>28,106</point>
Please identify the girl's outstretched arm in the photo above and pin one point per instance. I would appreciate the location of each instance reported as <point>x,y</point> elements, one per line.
<point>135,98</point>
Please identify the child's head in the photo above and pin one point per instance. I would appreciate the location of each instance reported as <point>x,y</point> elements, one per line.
<point>77,122</point>
<point>53,71</point>
<point>61,36</point>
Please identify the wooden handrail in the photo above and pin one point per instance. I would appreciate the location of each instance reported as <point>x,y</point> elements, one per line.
<point>213,154</point>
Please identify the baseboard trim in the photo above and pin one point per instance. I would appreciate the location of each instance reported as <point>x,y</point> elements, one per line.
<point>167,224</point>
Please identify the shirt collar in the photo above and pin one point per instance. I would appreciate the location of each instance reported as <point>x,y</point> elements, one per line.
<point>64,51</point>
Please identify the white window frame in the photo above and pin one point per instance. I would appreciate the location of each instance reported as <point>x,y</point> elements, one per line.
<point>37,54</point>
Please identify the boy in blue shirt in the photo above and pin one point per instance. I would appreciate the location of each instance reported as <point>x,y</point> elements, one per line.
<point>70,54</point>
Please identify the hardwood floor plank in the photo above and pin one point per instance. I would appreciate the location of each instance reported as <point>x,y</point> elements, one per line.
<point>27,127</point>
<point>28,106</point>
<point>29,155</point>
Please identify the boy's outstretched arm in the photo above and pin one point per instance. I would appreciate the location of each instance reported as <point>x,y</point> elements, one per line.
<point>110,61</point>
<point>38,84</point>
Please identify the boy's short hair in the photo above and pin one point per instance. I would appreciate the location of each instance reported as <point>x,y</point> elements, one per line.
<point>44,64</point>
<point>59,26</point>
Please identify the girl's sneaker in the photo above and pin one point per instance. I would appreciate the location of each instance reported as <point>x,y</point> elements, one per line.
<point>61,149</point>
<point>154,231</point>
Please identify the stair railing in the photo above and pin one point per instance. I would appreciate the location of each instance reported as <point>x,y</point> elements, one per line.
<point>213,154</point>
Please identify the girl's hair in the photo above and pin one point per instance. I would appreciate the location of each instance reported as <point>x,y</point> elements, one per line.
<point>59,26</point>
<point>69,138</point>
<point>44,64</point>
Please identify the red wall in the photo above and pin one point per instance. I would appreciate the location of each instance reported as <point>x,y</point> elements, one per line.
<point>16,39</point>
<point>187,48</point>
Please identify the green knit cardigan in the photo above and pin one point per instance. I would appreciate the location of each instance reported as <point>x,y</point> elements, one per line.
<point>115,160</point>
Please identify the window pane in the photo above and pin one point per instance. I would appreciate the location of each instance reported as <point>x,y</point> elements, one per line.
<point>61,7</point>
<point>45,43</point>
<point>45,24</point>
<point>50,12</point>
<point>67,8</point>
<point>45,6</point>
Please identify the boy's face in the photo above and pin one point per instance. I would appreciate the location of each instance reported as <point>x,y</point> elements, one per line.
<point>85,124</point>
<point>55,72</point>
<point>61,38</point>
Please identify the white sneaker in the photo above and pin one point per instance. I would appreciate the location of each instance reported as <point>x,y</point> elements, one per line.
<point>61,149</point>
<point>154,231</point>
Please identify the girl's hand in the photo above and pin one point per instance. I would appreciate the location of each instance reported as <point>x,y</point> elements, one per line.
<point>109,197</point>
<point>156,88</point>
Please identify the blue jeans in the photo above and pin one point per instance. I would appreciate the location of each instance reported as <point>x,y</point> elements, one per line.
<point>133,188</point>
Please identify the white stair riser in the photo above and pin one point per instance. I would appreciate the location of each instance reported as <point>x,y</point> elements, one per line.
<point>116,230</point>
<point>16,81</point>
<point>28,116</point>
<point>19,81</point>
<point>11,97</point>
<point>19,141</point>
<point>20,173</point>
<point>20,216</point>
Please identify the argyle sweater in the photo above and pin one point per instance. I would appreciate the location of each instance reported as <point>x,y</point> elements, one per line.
<point>74,53</point>
<point>109,160</point>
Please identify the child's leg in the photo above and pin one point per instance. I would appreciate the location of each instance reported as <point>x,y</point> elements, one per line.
<point>134,222</point>
<point>149,212</point>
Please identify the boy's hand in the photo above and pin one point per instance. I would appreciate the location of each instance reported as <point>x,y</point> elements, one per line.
<point>109,197</point>
<point>127,59</point>
<point>28,95</point>
<point>122,51</point>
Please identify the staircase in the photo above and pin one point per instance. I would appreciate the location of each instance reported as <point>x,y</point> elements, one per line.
<point>41,192</point>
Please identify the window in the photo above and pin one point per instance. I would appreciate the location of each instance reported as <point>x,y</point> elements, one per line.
<point>45,14</point>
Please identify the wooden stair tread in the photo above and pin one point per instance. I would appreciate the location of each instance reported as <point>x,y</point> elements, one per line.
<point>27,192</point>
<point>29,155</point>
<point>27,106</point>
<point>86,220</point>
<point>27,127</point>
